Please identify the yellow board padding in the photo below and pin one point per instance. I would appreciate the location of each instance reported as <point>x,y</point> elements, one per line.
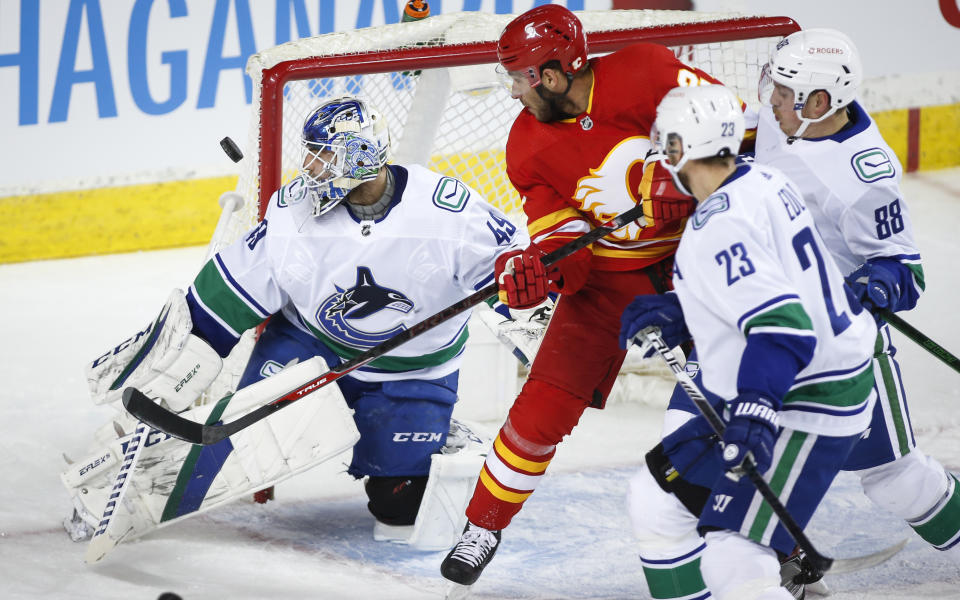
<point>484,171</point>
<point>939,131</point>
<point>185,213</point>
<point>893,127</point>
<point>111,220</point>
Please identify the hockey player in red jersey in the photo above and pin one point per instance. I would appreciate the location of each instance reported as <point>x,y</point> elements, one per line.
<point>576,156</point>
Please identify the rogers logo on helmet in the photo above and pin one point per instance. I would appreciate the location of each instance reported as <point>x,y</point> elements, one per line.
<point>825,51</point>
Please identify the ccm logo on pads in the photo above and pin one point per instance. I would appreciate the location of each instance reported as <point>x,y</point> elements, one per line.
<point>417,436</point>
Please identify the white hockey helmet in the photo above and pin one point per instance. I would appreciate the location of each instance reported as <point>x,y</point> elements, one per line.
<point>348,139</point>
<point>812,60</point>
<point>706,120</point>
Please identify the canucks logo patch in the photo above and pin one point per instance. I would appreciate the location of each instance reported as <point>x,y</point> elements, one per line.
<point>450,194</point>
<point>292,193</point>
<point>717,203</point>
<point>364,315</point>
<point>872,164</point>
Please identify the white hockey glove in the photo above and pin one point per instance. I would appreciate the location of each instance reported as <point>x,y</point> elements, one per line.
<point>163,361</point>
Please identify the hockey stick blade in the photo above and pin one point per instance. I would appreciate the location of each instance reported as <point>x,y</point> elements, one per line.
<point>147,411</point>
<point>857,563</point>
<point>169,422</point>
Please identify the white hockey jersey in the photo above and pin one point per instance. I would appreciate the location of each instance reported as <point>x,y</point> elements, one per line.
<point>354,284</point>
<point>750,261</point>
<point>851,183</point>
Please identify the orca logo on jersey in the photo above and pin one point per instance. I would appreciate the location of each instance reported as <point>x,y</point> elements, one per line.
<point>365,300</point>
<point>872,164</point>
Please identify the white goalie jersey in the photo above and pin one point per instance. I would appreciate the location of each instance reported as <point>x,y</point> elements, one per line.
<point>750,260</point>
<point>851,184</point>
<point>354,284</point>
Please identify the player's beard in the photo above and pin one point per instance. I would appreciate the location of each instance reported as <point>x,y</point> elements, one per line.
<point>551,108</point>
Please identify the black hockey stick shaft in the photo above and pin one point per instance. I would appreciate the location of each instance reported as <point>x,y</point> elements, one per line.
<point>917,336</point>
<point>652,337</point>
<point>151,413</point>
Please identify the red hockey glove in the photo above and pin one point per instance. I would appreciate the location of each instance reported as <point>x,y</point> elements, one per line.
<point>522,278</point>
<point>663,202</point>
<point>569,274</point>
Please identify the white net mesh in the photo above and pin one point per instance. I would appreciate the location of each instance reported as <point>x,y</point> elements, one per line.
<point>455,119</point>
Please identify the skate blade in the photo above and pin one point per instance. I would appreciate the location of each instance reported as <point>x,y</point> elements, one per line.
<point>455,591</point>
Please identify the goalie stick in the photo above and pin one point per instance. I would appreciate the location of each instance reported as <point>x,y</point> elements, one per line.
<point>101,543</point>
<point>147,411</point>
<point>651,337</point>
<point>917,336</point>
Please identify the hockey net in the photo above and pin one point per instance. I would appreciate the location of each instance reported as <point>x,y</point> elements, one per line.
<point>434,80</point>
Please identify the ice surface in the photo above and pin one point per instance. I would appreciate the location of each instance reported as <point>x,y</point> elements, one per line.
<point>570,541</point>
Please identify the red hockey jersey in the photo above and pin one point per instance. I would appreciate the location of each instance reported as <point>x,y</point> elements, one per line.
<point>576,174</point>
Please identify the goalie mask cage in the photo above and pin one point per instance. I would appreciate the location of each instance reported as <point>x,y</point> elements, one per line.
<point>434,81</point>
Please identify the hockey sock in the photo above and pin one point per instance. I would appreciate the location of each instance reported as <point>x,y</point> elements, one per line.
<point>509,475</point>
<point>940,526</point>
<point>540,417</point>
<point>675,577</point>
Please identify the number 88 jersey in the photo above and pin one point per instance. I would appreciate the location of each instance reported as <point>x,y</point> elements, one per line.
<point>851,183</point>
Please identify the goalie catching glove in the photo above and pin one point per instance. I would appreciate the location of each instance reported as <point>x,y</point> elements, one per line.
<point>163,361</point>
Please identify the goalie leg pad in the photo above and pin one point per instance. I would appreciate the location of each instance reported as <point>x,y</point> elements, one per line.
<point>453,476</point>
<point>171,482</point>
<point>164,361</point>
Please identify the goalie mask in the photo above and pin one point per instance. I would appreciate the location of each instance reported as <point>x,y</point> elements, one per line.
<point>345,143</point>
<point>812,60</point>
<point>701,121</point>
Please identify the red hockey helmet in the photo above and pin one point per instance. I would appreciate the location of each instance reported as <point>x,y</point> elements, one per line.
<point>543,33</point>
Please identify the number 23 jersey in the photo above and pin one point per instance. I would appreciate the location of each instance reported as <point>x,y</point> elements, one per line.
<point>751,261</point>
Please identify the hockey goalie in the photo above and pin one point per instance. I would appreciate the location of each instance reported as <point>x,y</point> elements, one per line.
<point>350,252</point>
<point>139,479</point>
